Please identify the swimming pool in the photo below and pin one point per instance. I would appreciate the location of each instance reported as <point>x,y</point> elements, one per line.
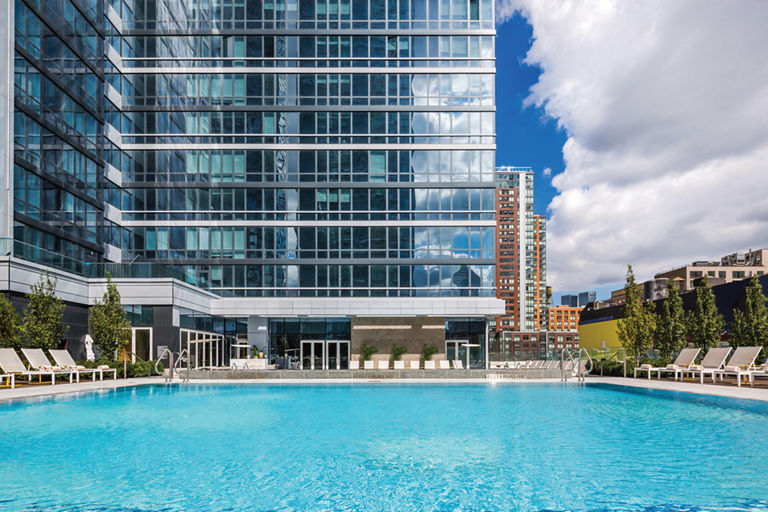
<point>382,447</point>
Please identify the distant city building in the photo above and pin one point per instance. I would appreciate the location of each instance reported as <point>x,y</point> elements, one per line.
<point>521,266</point>
<point>580,299</point>
<point>586,297</point>
<point>564,318</point>
<point>732,267</point>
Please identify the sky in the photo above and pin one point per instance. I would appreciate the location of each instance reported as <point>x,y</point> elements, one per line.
<point>646,124</point>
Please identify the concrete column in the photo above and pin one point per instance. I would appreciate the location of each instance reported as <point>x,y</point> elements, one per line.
<point>257,333</point>
<point>6,123</point>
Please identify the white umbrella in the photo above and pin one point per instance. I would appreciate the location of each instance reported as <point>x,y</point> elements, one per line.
<point>89,355</point>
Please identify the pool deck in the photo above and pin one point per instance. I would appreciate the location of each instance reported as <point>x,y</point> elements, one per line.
<point>720,390</point>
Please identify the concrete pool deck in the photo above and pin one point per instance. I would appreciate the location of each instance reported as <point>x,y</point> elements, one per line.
<point>719,390</point>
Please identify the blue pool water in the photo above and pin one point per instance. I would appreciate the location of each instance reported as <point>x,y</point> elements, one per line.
<point>383,447</point>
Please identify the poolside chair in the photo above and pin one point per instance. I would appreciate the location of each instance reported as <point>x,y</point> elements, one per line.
<point>683,361</point>
<point>65,361</point>
<point>399,365</point>
<point>11,378</point>
<point>367,365</point>
<point>383,365</point>
<point>429,365</point>
<point>10,362</point>
<point>39,362</point>
<point>713,361</point>
<point>741,362</point>
<point>444,364</point>
<point>354,364</point>
<point>761,371</point>
<point>457,364</point>
<point>414,365</point>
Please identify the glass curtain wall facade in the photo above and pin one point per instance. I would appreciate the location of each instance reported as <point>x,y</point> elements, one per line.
<point>57,164</point>
<point>303,149</point>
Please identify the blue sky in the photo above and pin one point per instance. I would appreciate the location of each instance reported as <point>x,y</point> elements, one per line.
<point>524,136</point>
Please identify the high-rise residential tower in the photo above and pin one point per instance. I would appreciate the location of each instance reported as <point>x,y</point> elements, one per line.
<point>307,176</point>
<point>521,266</point>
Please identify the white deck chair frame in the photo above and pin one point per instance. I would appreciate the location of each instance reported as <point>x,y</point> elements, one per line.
<point>683,361</point>
<point>11,363</point>
<point>65,361</point>
<point>38,361</point>
<point>712,362</point>
<point>741,364</point>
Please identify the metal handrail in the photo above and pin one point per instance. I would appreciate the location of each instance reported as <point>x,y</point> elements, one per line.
<point>165,351</point>
<point>580,372</point>
<point>591,364</point>
<point>183,356</point>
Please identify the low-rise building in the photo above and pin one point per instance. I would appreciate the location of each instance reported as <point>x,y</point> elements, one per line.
<point>732,267</point>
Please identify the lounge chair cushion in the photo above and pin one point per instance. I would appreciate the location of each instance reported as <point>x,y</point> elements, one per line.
<point>102,367</point>
<point>646,366</point>
<point>672,367</point>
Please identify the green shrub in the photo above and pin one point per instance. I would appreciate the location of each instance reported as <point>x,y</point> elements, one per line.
<point>428,351</point>
<point>368,351</point>
<point>398,351</point>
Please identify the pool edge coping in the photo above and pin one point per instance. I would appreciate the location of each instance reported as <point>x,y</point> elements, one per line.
<point>733,392</point>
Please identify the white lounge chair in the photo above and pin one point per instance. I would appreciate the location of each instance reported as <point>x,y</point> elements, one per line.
<point>383,365</point>
<point>683,361</point>
<point>11,378</point>
<point>713,361</point>
<point>367,365</point>
<point>457,364</point>
<point>39,362</point>
<point>414,365</point>
<point>740,364</point>
<point>399,365</point>
<point>10,362</point>
<point>429,365</point>
<point>354,364</point>
<point>65,361</point>
<point>761,371</point>
<point>444,364</point>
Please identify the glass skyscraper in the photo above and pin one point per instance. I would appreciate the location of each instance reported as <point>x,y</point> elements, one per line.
<point>307,162</point>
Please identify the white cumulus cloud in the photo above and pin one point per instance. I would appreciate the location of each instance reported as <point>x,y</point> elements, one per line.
<point>665,106</point>
<point>547,172</point>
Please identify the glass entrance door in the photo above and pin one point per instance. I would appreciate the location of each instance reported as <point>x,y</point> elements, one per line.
<point>312,354</point>
<point>456,349</point>
<point>338,355</point>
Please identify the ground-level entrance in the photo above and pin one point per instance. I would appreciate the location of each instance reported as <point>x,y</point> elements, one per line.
<point>141,344</point>
<point>324,354</point>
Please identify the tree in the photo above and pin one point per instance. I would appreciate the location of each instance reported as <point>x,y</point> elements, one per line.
<point>750,323</point>
<point>637,326</point>
<point>704,324</point>
<point>43,315</point>
<point>670,330</point>
<point>10,324</point>
<point>109,324</point>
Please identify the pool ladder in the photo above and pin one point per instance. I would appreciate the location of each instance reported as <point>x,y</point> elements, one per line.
<point>577,363</point>
<point>183,357</point>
